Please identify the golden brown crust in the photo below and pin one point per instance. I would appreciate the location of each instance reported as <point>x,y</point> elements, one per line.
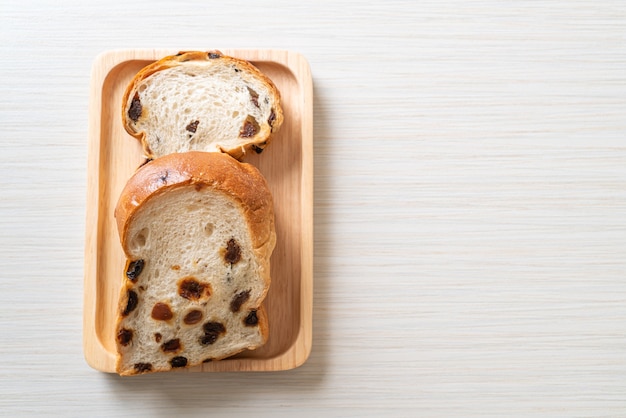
<point>181,57</point>
<point>242,181</point>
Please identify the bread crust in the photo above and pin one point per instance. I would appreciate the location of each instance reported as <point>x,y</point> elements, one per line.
<point>255,142</point>
<point>242,181</point>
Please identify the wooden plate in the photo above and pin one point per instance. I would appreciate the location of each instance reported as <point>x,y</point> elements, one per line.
<point>287,164</point>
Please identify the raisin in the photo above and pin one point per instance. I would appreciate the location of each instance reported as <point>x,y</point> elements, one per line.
<point>162,312</point>
<point>193,126</point>
<point>214,327</point>
<point>214,55</point>
<point>250,127</point>
<point>257,149</point>
<point>124,336</point>
<point>163,177</point>
<point>272,118</point>
<point>157,337</point>
<point>192,289</point>
<point>254,96</point>
<point>239,299</point>
<point>131,302</point>
<point>233,252</point>
<point>208,339</point>
<point>171,346</point>
<point>134,112</point>
<point>178,361</point>
<point>251,320</point>
<point>212,331</point>
<point>193,317</point>
<point>142,367</point>
<point>134,269</point>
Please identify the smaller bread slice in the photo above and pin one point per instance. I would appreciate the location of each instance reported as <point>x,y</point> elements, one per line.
<point>202,101</point>
<point>197,229</point>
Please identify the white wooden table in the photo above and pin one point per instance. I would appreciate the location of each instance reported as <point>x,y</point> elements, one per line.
<point>470,207</point>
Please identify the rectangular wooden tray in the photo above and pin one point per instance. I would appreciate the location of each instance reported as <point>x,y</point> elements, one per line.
<point>287,164</point>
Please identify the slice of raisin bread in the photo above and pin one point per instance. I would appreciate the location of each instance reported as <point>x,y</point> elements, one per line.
<point>202,101</point>
<point>197,229</point>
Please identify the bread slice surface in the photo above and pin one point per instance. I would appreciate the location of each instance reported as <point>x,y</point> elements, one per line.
<point>197,229</point>
<point>202,101</point>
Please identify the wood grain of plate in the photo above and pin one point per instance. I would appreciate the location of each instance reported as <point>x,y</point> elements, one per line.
<point>287,164</point>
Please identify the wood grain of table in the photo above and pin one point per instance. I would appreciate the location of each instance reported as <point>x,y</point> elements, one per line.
<point>470,207</point>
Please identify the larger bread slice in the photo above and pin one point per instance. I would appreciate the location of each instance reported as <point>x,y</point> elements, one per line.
<point>197,229</point>
<point>202,101</point>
